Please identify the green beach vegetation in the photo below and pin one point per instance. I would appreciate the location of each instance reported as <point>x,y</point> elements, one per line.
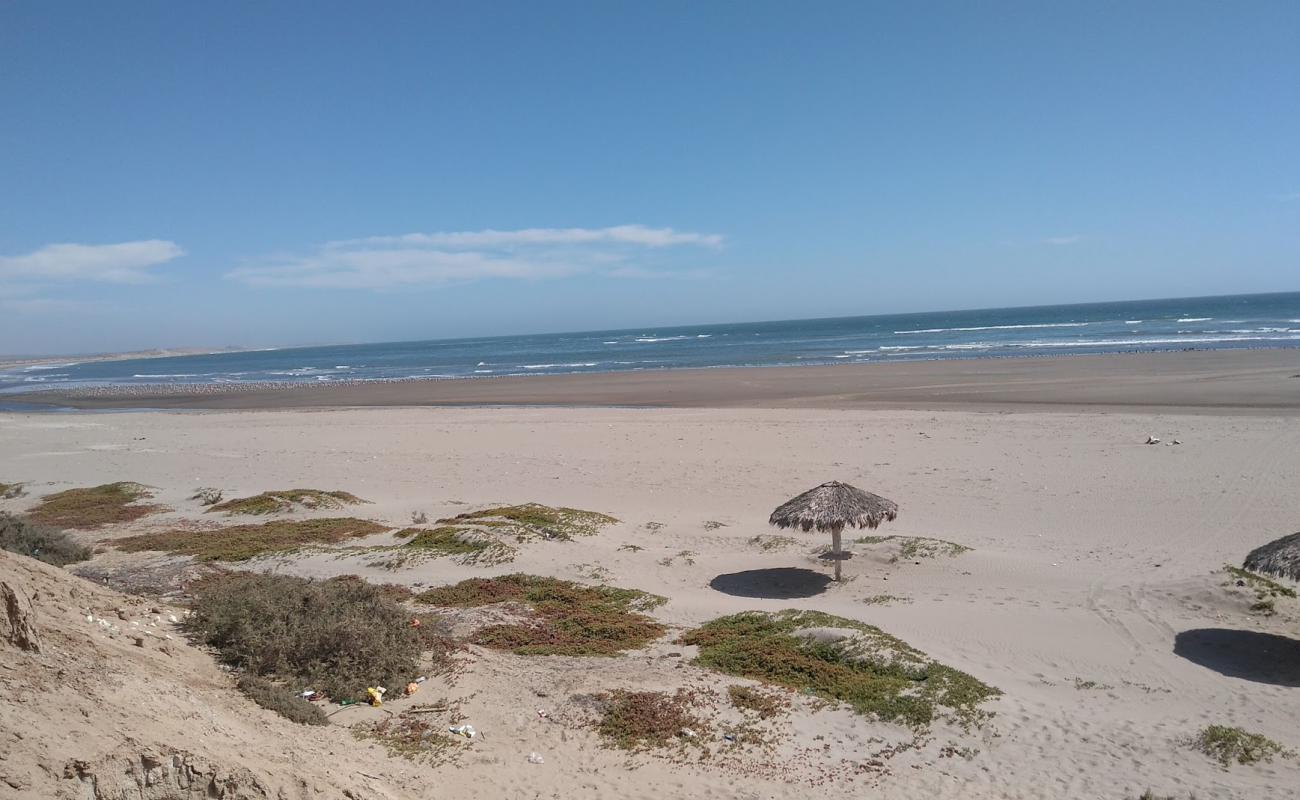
<point>1264,588</point>
<point>94,507</point>
<point>242,542</point>
<point>487,537</point>
<point>643,720</point>
<point>911,548</point>
<point>768,542</point>
<point>1230,745</point>
<point>533,521</point>
<point>763,702</point>
<point>840,659</point>
<point>281,699</point>
<point>286,500</point>
<point>560,617</point>
<point>40,542</point>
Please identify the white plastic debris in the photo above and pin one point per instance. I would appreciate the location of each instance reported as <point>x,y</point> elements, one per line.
<point>464,730</point>
<point>535,758</point>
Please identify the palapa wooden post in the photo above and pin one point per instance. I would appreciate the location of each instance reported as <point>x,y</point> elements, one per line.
<point>836,550</point>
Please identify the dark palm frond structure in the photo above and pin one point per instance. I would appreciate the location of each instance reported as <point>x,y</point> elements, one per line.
<point>1280,557</point>
<point>833,506</point>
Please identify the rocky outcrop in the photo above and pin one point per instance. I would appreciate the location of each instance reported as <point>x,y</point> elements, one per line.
<point>154,775</point>
<point>20,629</point>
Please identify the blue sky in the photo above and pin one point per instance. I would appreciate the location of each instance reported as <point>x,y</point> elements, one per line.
<point>285,173</point>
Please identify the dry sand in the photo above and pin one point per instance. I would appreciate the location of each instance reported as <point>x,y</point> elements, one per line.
<point>1090,596</point>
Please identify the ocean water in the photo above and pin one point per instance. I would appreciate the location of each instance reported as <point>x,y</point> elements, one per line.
<point>1215,323</point>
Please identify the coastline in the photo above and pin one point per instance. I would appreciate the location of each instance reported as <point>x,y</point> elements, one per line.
<point>1195,381</point>
<point>11,362</point>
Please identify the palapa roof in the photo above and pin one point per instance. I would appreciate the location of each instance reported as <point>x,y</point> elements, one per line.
<point>1280,557</point>
<point>833,506</point>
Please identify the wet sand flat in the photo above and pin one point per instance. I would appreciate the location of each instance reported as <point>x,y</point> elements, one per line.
<point>1203,382</point>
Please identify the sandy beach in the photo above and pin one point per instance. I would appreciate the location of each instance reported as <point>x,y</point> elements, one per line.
<point>1092,594</point>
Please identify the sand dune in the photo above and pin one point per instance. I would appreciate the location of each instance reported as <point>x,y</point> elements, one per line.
<point>1090,595</point>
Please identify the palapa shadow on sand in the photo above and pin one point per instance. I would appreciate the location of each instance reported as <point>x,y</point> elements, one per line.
<point>778,583</point>
<point>1249,655</point>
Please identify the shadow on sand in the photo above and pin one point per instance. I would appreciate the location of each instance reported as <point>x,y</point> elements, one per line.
<point>1249,655</point>
<point>781,583</point>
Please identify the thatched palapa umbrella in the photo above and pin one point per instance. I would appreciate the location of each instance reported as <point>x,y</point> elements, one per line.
<point>1280,557</point>
<point>832,506</point>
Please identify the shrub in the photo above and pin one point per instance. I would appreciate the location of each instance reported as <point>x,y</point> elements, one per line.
<point>393,591</point>
<point>282,700</point>
<point>1234,745</point>
<point>335,636</point>
<point>9,491</point>
<point>565,618</point>
<point>95,507</point>
<point>242,542</point>
<point>52,546</point>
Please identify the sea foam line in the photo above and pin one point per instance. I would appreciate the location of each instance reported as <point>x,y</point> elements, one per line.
<point>1002,327</point>
<point>553,366</point>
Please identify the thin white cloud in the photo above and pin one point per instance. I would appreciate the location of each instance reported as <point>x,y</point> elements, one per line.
<point>124,262</point>
<point>618,234</point>
<point>1061,241</point>
<point>387,268</point>
<point>433,259</point>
